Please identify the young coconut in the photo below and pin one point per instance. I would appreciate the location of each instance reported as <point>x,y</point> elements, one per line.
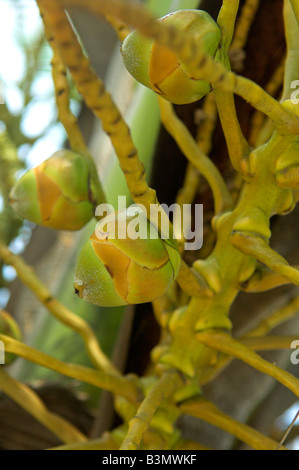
<point>159,69</point>
<point>60,193</point>
<point>125,261</point>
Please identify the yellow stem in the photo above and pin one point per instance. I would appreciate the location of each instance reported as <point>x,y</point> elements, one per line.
<point>192,283</point>
<point>199,65</point>
<point>277,318</point>
<point>253,343</point>
<point>118,385</point>
<point>291,26</point>
<point>66,117</point>
<point>122,29</point>
<point>224,343</point>
<point>165,386</point>
<point>263,279</point>
<point>272,88</point>
<point>189,189</point>
<point>58,310</point>
<point>295,7</point>
<point>105,442</point>
<point>191,150</point>
<point>207,411</point>
<point>192,179</point>
<point>265,133</point>
<point>244,23</point>
<point>238,147</point>
<point>207,127</point>
<point>98,100</point>
<point>226,22</point>
<point>30,401</point>
<point>268,343</point>
<point>163,308</point>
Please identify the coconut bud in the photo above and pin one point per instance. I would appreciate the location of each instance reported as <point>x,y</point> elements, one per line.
<point>125,261</point>
<point>158,67</point>
<point>9,327</point>
<point>60,193</point>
